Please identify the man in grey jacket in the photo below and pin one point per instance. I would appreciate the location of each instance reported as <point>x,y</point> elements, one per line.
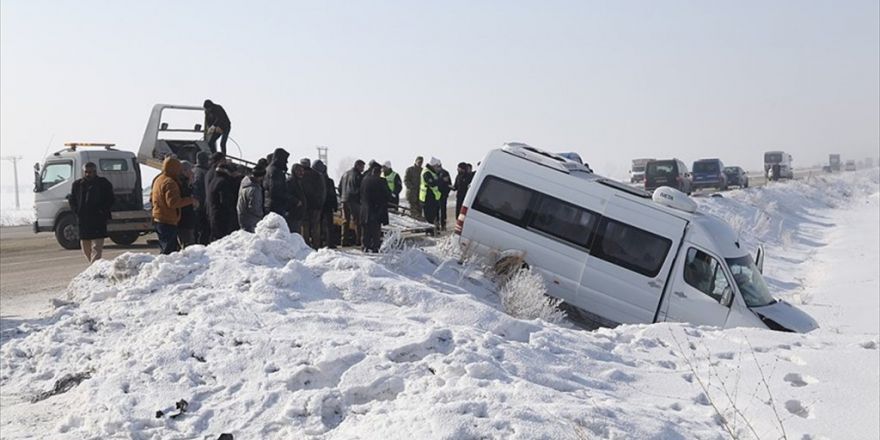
<point>250,200</point>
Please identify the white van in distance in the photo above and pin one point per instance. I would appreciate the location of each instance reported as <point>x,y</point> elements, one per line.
<point>617,254</point>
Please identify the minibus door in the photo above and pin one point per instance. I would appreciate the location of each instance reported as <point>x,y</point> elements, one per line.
<point>700,292</point>
<point>630,258</point>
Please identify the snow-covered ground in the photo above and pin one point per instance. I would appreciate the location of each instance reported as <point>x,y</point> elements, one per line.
<point>9,214</point>
<point>266,339</point>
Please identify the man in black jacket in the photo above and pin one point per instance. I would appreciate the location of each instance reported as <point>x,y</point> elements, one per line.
<point>199,191</point>
<point>331,204</point>
<point>374,208</point>
<point>222,202</point>
<point>90,200</point>
<point>462,184</point>
<point>186,226</point>
<point>313,186</point>
<point>297,208</point>
<point>275,192</point>
<point>217,125</point>
<point>444,184</point>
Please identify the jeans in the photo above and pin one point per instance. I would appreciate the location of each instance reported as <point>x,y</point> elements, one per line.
<point>167,238</point>
<point>213,141</point>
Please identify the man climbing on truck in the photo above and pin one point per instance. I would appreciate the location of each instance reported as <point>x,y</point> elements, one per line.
<point>217,125</point>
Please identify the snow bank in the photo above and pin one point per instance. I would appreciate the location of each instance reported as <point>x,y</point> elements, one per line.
<point>265,338</point>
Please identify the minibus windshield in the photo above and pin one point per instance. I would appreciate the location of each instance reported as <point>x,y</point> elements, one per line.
<point>750,282</point>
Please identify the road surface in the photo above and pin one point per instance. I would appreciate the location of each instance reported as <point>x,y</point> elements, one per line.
<point>36,267</point>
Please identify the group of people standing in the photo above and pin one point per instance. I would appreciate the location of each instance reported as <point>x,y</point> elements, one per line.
<point>428,187</point>
<point>206,201</point>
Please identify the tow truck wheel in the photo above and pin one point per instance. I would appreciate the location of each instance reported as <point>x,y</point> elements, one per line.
<point>66,232</point>
<point>124,238</point>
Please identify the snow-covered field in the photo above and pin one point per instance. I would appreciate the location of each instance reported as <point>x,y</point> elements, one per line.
<point>264,338</point>
<point>9,215</point>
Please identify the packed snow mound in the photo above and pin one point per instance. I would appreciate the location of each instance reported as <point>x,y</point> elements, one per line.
<point>265,338</point>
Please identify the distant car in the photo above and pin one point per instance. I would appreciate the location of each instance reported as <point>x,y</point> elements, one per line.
<point>670,172</point>
<point>850,165</point>
<point>736,176</point>
<point>707,173</point>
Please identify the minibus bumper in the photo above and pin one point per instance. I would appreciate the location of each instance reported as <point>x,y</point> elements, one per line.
<point>783,316</point>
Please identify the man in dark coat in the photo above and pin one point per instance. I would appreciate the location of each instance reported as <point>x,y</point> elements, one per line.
<point>90,200</point>
<point>297,209</point>
<point>199,191</point>
<point>350,196</point>
<point>313,186</point>
<point>374,208</point>
<point>222,202</point>
<point>444,184</point>
<point>186,227</point>
<point>462,184</point>
<point>275,191</point>
<point>331,204</point>
<point>217,125</point>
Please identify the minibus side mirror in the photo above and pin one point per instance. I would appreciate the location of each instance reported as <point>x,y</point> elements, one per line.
<point>759,259</point>
<point>726,296</point>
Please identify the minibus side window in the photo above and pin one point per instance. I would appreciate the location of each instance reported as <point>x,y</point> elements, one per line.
<point>502,199</point>
<point>630,247</point>
<point>705,274</point>
<point>564,220</point>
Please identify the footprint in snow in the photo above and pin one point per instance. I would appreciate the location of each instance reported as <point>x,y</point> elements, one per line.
<point>439,341</point>
<point>797,408</point>
<point>798,380</point>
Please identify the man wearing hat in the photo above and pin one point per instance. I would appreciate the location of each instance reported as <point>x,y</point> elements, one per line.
<point>429,193</point>
<point>394,183</point>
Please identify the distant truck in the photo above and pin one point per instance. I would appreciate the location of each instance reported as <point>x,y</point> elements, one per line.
<point>850,165</point>
<point>777,165</point>
<point>637,171</point>
<point>834,163</point>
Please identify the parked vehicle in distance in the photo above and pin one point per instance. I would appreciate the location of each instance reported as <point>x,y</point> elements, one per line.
<point>637,171</point>
<point>708,173</point>
<point>736,176</point>
<point>612,252</point>
<point>834,162</point>
<point>777,165</point>
<point>850,165</point>
<point>670,172</point>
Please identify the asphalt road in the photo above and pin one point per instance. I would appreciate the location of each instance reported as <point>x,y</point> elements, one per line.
<point>35,265</point>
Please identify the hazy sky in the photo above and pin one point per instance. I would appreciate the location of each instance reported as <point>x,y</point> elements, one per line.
<point>390,80</point>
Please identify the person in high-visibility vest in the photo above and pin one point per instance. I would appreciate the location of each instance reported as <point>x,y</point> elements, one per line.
<point>429,193</point>
<point>395,185</point>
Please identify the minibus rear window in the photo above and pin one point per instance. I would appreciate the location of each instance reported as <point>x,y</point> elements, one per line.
<point>630,247</point>
<point>505,200</point>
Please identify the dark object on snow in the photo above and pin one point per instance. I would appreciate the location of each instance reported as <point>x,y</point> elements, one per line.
<point>225,436</point>
<point>62,385</point>
<point>181,407</point>
<point>718,196</point>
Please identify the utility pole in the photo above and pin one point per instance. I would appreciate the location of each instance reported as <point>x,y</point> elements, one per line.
<point>14,160</point>
<point>322,154</point>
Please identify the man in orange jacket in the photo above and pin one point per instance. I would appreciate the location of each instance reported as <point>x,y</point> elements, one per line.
<point>167,202</point>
